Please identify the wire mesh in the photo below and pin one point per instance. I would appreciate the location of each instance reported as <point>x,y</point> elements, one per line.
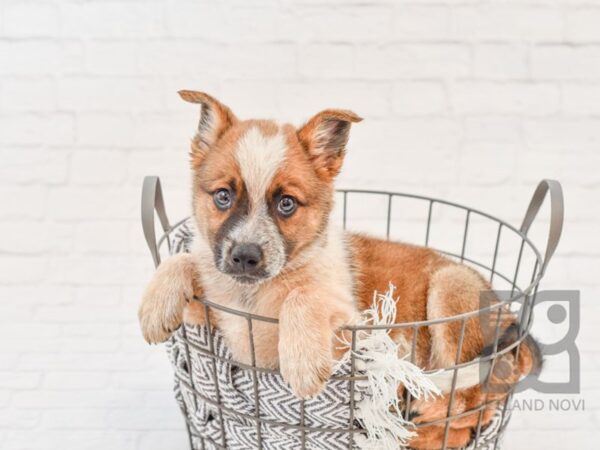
<point>499,263</point>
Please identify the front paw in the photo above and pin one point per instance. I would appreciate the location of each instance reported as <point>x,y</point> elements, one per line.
<point>306,372</point>
<point>164,301</point>
<point>160,314</point>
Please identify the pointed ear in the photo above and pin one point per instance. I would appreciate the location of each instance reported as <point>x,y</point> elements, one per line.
<point>215,119</point>
<point>325,137</point>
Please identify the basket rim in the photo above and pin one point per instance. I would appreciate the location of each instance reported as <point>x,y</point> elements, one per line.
<point>519,293</point>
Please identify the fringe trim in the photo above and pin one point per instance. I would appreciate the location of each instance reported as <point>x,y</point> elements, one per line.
<point>385,363</point>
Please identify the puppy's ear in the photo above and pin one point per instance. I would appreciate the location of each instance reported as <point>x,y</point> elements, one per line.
<point>325,137</point>
<point>215,119</point>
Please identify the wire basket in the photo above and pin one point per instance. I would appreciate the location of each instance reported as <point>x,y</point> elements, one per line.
<point>492,246</point>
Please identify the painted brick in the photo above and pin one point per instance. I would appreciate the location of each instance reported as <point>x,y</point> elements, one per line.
<point>421,22</point>
<point>509,21</point>
<point>31,19</point>
<point>37,129</point>
<point>111,58</point>
<point>351,23</point>
<point>519,98</point>
<point>108,94</point>
<point>33,165</point>
<point>501,61</point>
<point>28,95</point>
<point>88,203</point>
<point>327,60</point>
<point>581,24</point>
<point>183,57</point>
<point>23,202</point>
<point>581,99</point>
<point>254,61</point>
<point>104,130</point>
<point>419,98</point>
<point>112,19</point>
<point>412,61</point>
<point>98,167</point>
<point>566,62</point>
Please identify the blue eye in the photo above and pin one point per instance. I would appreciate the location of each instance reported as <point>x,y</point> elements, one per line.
<point>222,199</point>
<point>287,205</point>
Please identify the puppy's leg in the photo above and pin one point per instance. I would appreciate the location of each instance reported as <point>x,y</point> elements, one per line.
<point>432,438</point>
<point>173,285</point>
<point>306,333</point>
<point>453,290</point>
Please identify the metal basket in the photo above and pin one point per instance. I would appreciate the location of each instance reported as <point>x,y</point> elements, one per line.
<point>494,247</point>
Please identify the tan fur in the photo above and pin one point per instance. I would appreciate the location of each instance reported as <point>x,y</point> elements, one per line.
<point>172,287</point>
<point>328,277</point>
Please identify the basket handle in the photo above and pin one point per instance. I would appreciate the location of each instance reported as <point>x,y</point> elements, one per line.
<point>556,215</point>
<point>152,200</point>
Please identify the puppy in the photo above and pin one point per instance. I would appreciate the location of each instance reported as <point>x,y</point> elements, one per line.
<point>262,197</point>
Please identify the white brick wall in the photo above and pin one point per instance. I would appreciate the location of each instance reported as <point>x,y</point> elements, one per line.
<point>470,100</point>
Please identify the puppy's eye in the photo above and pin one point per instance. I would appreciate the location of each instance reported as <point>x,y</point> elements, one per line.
<point>222,199</point>
<point>287,205</point>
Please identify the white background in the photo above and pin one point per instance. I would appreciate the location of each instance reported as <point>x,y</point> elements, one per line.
<point>470,100</point>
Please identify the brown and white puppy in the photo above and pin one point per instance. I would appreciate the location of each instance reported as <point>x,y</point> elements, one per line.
<point>262,196</point>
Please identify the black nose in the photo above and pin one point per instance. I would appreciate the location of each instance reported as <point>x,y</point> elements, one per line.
<point>246,258</point>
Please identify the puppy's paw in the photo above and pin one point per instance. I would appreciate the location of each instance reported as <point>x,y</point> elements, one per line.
<point>160,314</point>
<point>164,301</point>
<point>305,371</point>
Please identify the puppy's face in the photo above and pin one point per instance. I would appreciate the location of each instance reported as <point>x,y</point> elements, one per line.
<point>263,191</point>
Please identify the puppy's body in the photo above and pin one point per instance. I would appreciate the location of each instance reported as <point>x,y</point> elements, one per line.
<point>352,267</point>
<point>262,197</point>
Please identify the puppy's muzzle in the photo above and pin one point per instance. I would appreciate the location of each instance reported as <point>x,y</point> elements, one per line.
<point>246,260</point>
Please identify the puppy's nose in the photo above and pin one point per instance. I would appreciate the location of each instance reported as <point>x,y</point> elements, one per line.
<point>246,258</point>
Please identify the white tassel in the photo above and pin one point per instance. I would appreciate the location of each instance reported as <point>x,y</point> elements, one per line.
<point>377,356</point>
